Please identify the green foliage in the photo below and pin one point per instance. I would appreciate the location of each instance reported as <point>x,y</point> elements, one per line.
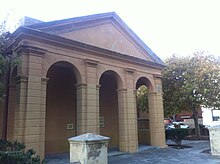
<point>191,81</point>
<point>142,99</point>
<point>176,135</point>
<point>4,68</point>
<point>5,59</point>
<point>13,153</point>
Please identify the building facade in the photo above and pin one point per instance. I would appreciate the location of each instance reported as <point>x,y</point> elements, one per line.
<point>80,75</point>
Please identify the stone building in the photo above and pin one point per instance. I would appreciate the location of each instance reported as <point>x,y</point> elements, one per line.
<point>80,75</point>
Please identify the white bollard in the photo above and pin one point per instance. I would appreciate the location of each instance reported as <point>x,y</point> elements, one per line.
<point>89,149</point>
<point>214,135</point>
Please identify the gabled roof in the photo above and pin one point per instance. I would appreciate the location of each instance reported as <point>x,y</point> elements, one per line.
<point>53,26</point>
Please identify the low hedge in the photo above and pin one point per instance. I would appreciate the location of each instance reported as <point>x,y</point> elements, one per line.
<point>13,152</point>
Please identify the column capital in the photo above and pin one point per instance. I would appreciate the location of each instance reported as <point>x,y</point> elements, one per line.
<point>80,85</point>
<point>21,78</point>
<point>91,63</point>
<point>130,70</point>
<point>44,80</point>
<point>24,47</point>
<point>98,86</point>
<point>152,93</point>
<point>122,90</point>
<point>158,76</point>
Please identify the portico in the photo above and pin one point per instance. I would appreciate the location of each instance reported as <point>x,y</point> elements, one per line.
<point>80,75</point>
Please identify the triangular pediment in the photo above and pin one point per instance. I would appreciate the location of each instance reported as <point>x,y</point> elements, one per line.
<point>107,36</point>
<point>106,31</point>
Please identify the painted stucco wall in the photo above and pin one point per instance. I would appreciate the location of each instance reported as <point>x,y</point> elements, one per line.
<point>107,36</point>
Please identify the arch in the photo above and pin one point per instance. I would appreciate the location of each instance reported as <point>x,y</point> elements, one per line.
<point>143,117</point>
<point>144,81</point>
<point>109,82</point>
<point>68,62</point>
<point>61,112</point>
<point>70,66</point>
<point>115,74</point>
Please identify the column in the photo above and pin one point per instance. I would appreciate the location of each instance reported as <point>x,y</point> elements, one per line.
<point>87,108</point>
<point>19,122</point>
<point>88,101</point>
<point>92,109</point>
<point>43,116</point>
<point>30,108</point>
<point>81,108</point>
<point>123,121</point>
<point>157,131</point>
<point>132,120</point>
<point>130,112</point>
<point>92,95</point>
<point>35,106</point>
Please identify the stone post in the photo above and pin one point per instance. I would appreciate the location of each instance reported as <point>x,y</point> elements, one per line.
<point>88,149</point>
<point>214,135</point>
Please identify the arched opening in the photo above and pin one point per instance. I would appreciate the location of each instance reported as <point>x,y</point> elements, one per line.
<point>143,87</point>
<point>11,104</point>
<point>60,123</point>
<point>108,106</point>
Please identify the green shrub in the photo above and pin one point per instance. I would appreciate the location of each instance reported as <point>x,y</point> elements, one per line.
<point>176,135</point>
<point>13,152</point>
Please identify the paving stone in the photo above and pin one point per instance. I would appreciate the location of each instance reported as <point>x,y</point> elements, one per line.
<point>196,153</point>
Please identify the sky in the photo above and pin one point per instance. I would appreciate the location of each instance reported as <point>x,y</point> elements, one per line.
<point>168,27</point>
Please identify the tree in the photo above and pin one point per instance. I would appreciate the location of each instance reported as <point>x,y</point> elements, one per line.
<point>142,99</point>
<point>5,66</point>
<point>189,82</point>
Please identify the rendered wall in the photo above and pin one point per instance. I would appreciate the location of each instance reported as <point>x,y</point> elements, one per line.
<point>106,36</point>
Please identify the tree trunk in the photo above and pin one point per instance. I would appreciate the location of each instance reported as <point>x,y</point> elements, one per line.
<point>174,117</point>
<point>196,122</point>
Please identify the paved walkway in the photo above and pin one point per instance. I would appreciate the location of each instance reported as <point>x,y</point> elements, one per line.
<point>193,154</point>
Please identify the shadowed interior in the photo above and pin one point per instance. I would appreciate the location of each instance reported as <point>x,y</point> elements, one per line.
<point>108,98</point>
<point>60,109</point>
<point>143,118</point>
